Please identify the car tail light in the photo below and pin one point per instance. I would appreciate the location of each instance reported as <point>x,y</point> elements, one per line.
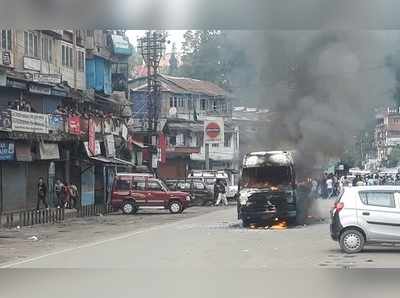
<point>339,206</point>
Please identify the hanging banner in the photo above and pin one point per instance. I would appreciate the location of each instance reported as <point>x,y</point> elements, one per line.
<point>49,151</point>
<point>5,120</point>
<point>56,123</point>
<point>92,136</point>
<point>214,130</point>
<point>97,150</point>
<point>23,152</point>
<point>107,126</point>
<point>29,122</point>
<point>7,151</point>
<point>74,125</point>
<point>110,145</point>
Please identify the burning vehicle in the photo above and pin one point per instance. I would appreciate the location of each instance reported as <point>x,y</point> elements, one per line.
<point>267,188</point>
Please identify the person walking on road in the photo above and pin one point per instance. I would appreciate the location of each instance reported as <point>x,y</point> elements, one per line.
<point>60,193</point>
<point>41,194</point>
<point>221,193</point>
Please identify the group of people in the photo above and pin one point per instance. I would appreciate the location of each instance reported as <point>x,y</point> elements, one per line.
<point>375,179</point>
<point>20,105</point>
<point>66,195</point>
<point>90,113</point>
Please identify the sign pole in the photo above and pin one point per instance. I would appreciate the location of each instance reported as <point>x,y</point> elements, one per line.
<point>207,155</point>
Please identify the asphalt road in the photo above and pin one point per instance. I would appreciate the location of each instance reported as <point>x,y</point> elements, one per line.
<point>213,240</point>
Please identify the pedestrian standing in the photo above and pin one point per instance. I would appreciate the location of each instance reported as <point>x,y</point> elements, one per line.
<point>329,186</point>
<point>41,194</point>
<point>221,194</point>
<point>73,194</point>
<point>60,192</point>
<point>216,190</point>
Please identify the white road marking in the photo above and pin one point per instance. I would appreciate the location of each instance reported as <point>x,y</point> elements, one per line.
<point>125,236</point>
<point>90,245</point>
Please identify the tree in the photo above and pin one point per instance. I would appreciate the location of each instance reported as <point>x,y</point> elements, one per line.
<point>173,62</point>
<point>394,157</point>
<point>134,61</point>
<point>211,55</point>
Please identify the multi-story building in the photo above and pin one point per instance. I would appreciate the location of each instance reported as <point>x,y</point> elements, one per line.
<point>184,105</point>
<point>387,132</point>
<point>53,101</point>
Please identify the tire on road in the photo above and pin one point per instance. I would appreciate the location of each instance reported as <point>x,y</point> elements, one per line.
<point>175,207</point>
<point>351,241</point>
<point>129,207</point>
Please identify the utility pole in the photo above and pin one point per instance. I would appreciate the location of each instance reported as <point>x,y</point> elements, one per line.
<point>152,48</point>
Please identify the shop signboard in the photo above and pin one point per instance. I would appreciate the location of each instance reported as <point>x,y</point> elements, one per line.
<point>56,122</point>
<point>32,63</point>
<point>23,152</point>
<point>33,88</point>
<point>7,150</point>
<point>16,84</point>
<point>74,125</point>
<point>29,122</point>
<point>49,151</point>
<point>110,145</point>
<point>47,78</point>
<point>97,149</point>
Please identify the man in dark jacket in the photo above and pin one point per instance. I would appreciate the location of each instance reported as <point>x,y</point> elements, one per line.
<point>41,194</point>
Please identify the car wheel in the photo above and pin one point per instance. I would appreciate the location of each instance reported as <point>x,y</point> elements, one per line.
<point>175,207</point>
<point>129,207</point>
<point>351,241</point>
<point>245,223</point>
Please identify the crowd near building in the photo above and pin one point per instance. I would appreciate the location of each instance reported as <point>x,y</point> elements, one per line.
<point>69,112</point>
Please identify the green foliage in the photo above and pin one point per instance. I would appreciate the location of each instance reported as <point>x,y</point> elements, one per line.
<point>394,157</point>
<point>211,55</point>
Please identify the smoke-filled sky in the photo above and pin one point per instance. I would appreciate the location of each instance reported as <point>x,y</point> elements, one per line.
<point>322,86</point>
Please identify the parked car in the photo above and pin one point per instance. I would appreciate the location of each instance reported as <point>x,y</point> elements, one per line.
<point>198,190</point>
<point>366,215</point>
<point>209,177</point>
<point>132,192</point>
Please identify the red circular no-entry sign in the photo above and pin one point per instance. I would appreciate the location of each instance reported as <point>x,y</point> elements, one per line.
<point>213,130</point>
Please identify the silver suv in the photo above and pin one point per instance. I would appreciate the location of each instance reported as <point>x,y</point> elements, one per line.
<point>366,215</point>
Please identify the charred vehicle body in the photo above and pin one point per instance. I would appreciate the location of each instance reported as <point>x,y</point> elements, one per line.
<point>267,190</point>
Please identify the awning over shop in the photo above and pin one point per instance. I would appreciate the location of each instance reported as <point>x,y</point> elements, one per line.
<point>111,161</point>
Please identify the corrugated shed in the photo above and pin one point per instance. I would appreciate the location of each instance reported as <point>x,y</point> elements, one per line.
<point>181,85</point>
<point>196,86</point>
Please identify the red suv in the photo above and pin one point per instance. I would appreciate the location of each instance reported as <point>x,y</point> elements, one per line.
<point>132,191</point>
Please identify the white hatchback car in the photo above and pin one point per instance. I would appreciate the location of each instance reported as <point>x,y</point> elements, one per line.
<point>366,215</point>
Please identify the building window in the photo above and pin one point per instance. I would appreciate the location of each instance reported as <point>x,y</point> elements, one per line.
<point>171,102</point>
<point>172,140</point>
<point>214,105</point>
<point>215,145</point>
<point>66,56</point>
<point>31,43</point>
<point>47,49</point>
<point>6,40</point>
<point>81,61</point>
<point>203,104</point>
<point>175,102</point>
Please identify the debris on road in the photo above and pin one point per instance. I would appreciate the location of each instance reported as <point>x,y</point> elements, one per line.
<point>33,238</point>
